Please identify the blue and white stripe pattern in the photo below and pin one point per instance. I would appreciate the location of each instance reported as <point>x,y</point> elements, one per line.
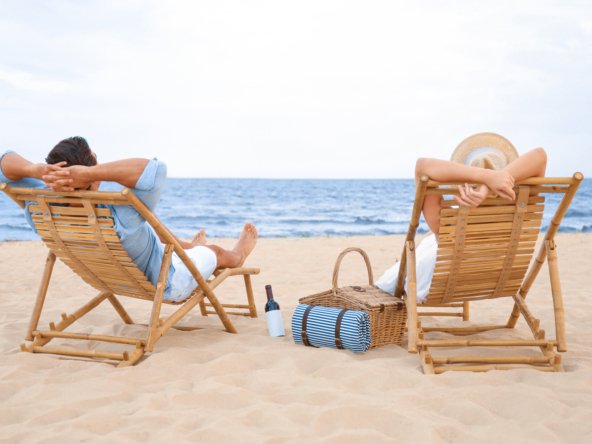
<point>320,327</point>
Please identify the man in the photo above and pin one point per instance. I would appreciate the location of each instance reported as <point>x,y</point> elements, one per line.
<point>71,165</point>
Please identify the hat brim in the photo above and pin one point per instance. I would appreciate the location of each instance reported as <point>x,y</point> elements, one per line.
<point>484,140</point>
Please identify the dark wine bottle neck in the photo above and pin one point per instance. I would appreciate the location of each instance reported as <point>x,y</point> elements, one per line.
<point>269,292</point>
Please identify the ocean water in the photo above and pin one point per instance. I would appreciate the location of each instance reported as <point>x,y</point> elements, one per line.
<point>294,208</point>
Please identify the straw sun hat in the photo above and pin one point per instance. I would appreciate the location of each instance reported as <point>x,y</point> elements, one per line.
<point>485,150</point>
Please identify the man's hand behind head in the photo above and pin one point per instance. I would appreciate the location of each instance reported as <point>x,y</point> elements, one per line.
<point>38,170</point>
<point>75,177</point>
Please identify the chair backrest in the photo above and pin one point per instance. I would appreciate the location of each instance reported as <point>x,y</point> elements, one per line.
<point>79,229</point>
<point>485,252</point>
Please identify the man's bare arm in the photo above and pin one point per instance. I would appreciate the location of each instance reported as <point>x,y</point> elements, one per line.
<point>16,167</point>
<point>126,172</point>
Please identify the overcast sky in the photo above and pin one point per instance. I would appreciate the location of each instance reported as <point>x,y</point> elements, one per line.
<point>296,88</point>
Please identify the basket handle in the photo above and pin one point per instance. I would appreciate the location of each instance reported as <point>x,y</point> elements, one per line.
<point>338,265</point>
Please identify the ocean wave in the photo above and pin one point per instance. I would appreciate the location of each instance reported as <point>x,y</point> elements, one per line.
<point>577,212</point>
<point>299,221</point>
<point>183,221</point>
<point>24,227</point>
<point>365,220</point>
<point>568,228</point>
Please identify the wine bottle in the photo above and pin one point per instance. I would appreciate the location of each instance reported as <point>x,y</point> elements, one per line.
<point>275,323</point>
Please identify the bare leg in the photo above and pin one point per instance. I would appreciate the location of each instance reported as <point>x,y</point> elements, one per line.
<point>244,246</point>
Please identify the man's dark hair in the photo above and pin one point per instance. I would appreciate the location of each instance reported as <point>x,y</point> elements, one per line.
<point>74,150</point>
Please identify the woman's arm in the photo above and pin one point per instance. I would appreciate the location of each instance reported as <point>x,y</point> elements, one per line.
<point>16,167</point>
<point>531,164</point>
<point>500,182</point>
<point>447,171</point>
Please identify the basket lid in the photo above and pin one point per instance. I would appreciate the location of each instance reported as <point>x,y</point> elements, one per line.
<point>366,297</point>
<point>369,296</point>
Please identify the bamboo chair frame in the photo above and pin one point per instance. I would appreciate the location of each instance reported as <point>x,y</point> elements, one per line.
<point>78,229</point>
<point>484,253</point>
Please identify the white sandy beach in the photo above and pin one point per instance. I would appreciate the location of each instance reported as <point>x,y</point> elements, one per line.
<point>211,386</point>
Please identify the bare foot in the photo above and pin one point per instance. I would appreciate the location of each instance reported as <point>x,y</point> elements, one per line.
<point>200,238</point>
<point>246,242</point>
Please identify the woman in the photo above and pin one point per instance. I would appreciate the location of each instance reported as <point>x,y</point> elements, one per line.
<point>484,171</point>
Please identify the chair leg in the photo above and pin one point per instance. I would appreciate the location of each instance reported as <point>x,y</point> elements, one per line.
<point>34,322</point>
<point>427,362</point>
<point>557,296</point>
<point>202,308</point>
<point>412,328</point>
<point>133,358</point>
<point>250,297</point>
<point>119,309</point>
<point>68,320</point>
<point>154,330</point>
<point>219,310</point>
<point>465,312</point>
<point>532,322</point>
<point>411,301</point>
<point>527,283</point>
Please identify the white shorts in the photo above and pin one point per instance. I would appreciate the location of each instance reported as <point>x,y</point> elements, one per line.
<point>183,282</point>
<point>425,260</point>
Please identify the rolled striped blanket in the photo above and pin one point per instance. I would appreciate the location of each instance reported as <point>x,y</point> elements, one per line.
<point>331,327</point>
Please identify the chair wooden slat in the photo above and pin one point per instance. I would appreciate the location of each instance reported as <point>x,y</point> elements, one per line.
<point>64,201</point>
<point>72,220</point>
<point>447,241</point>
<point>440,274</point>
<point>77,245</point>
<point>483,253</point>
<point>492,203</point>
<point>491,227</point>
<point>67,236</point>
<point>487,219</point>
<point>76,228</point>
<point>70,211</point>
<point>491,210</point>
<point>101,257</point>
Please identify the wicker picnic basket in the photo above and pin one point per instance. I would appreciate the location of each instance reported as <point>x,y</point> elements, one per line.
<point>387,313</point>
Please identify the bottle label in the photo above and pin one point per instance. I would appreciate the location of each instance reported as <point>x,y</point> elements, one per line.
<point>275,323</point>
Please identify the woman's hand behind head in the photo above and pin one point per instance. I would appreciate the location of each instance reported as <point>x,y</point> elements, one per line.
<point>501,182</point>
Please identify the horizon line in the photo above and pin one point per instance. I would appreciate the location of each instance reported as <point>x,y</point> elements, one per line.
<point>311,178</point>
<point>290,178</point>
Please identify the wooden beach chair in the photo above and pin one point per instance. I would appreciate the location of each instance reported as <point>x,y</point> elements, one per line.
<point>78,229</point>
<point>484,253</point>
